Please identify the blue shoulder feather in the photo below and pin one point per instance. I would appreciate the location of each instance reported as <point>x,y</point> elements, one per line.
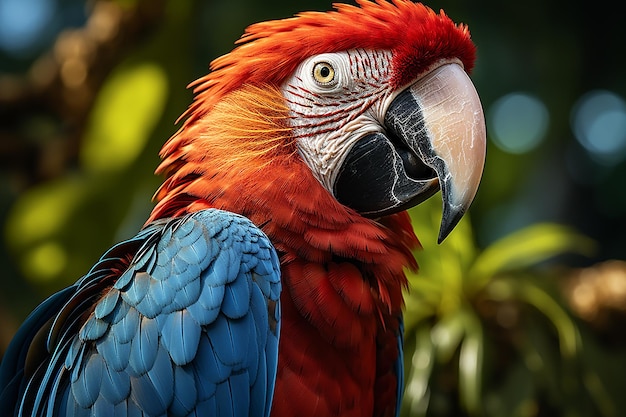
<point>189,327</point>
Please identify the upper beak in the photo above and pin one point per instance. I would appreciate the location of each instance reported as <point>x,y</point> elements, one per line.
<point>435,139</point>
<point>453,141</point>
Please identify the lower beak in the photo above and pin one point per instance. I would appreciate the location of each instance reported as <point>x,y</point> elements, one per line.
<point>435,139</point>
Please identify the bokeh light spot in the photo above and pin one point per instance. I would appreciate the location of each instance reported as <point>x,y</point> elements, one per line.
<point>22,22</point>
<point>45,261</point>
<point>124,115</point>
<point>598,121</point>
<point>518,122</point>
<point>43,211</point>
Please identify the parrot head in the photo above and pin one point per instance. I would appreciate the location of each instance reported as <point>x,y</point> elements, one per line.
<point>375,100</point>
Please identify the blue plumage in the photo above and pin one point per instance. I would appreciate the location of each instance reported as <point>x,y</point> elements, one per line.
<point>180,335</point>
<point>182,330</point>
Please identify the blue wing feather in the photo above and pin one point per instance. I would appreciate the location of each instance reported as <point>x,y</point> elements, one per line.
<point>399,367</point>
<point>189,327</point>
<point>127,326</point>
<point>115,384</point>
<point>144,346</point>
<point>180,336</point>
<point>12,380</point>
<point>237,299</point>
<point>185,392</point>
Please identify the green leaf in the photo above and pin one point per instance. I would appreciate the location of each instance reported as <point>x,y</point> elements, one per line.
<point>442,267</point>
<point>567,331</point>
<point>603,375</point>
<point>418,310</point>
<point>597,388</point>
<point>454,254</point>
<point>526,248</point>
<point>514,396</point>
<point>420,366</point>
<point>471,366</point>
<point>448,333</point>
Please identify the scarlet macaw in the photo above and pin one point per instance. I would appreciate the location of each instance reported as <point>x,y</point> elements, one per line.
<point>293,168</point>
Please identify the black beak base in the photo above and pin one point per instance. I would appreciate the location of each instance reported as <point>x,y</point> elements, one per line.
<point>433,137</point>
<point>375,180</point>
<point>386,173</point>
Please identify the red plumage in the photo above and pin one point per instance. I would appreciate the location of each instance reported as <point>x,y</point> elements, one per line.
<point>342,273</point>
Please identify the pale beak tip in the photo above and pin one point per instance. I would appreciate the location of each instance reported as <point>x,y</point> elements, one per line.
<point>454,116</point>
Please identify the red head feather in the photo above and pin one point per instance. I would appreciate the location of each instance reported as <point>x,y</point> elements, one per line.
<point>270,51</point>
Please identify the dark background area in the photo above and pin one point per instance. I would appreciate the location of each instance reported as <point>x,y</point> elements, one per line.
<point>89,91</point>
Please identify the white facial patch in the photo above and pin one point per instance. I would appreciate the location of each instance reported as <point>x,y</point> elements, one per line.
<point>335,99</point>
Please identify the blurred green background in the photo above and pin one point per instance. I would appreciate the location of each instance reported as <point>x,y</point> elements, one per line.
<point>519,313</point>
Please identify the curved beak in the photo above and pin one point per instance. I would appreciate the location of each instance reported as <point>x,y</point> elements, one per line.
<point>435,138</point>
<point>453,140</point>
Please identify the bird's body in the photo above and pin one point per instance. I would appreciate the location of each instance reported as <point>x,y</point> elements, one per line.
<point>268,279</point>
<point>342,274</point>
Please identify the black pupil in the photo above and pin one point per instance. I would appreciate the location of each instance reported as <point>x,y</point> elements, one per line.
<point>325,72</point>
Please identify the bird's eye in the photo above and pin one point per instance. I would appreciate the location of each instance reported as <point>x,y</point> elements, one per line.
<point>323,73</point>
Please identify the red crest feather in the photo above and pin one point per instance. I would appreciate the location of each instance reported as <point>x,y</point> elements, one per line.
<point>269,52</point>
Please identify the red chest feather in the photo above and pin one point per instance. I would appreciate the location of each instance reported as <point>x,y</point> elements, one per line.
<point>332,362</point>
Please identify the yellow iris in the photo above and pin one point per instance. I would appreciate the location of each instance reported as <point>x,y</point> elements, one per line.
<point>323,72</point>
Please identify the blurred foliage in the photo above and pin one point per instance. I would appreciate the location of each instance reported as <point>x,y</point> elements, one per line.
<point>498,323</point>
<point>40,224</point>
<point>488,333</point>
